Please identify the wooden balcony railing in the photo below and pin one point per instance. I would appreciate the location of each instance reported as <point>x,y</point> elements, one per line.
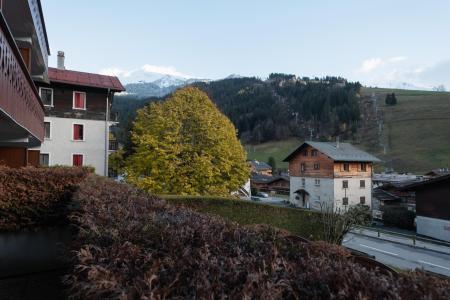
<point>19,97</point>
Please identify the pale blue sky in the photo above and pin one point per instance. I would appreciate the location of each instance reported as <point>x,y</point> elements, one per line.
<point>377,42</point>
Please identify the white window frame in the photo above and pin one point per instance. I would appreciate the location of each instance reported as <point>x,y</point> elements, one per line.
<point>50,137</point>
<point>40,95</point>
<point>84,133</point>
<point>82,154</point>
<point>73,100</point>
<point>49,158</point>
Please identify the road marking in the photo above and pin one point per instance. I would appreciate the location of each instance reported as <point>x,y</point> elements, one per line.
<point>379,250</point>
<point>434,265</point>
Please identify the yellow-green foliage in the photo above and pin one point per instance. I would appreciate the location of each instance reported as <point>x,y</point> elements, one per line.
<point>185,145</point>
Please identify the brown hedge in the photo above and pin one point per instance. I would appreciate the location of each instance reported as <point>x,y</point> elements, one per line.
<point>134,246</point>
<point>32,197</point>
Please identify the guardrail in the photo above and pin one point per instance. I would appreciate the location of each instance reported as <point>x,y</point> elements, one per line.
<point>414,238</point>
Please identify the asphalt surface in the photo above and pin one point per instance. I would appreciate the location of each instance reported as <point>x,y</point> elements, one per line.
<point>398,254</point>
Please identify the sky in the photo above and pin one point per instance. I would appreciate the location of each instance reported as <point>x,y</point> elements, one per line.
<point>379,43</point>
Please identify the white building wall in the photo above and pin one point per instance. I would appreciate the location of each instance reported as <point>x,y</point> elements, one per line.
<point>354,192</point>
<point>436,228</point>
<point>61,145</point>
<point>323,192</point>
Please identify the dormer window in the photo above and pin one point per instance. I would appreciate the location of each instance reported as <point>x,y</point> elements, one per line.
<point>79,100</point>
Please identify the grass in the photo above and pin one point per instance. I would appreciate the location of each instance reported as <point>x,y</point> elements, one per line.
<point>299,222</point>
<point>416,130</point>
<point>278,149</point>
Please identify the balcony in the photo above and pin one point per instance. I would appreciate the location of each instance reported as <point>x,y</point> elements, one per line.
<point>26,23</point>
<point>21,109</point>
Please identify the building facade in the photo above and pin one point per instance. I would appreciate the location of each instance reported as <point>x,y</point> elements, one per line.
<point>432,207</point>
<point>24,55</point>
<point>77,118</point>
<point>329,174</point>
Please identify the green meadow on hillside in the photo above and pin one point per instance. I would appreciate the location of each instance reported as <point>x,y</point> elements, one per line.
<point>416,132</point>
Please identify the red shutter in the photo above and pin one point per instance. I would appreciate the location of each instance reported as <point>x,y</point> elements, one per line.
<point>79,100</point>
<point>77,132</point>
<point>77,160</point>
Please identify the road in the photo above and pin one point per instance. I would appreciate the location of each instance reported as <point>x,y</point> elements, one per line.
<point>399,255</point>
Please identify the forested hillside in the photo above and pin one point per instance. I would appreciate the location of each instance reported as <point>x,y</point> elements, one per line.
<point>280,107</point>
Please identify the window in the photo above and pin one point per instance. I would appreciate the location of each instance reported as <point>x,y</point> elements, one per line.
<point>46,96</point>
<point>77,160</point>
<point>305,153</point>
<point>303,182</point>
<point>316,166</point>
<point>362,200</point>
<point>346,167</point>
<point>47,130</point>
<point>44,159</point>
<point>78,132</point>
<point>317,181</point>
<point>345,184</point>
<point>302,167</point>
<point>345,201</point>
<point>314,153</point>
<point>79,100</point>
<point>363,167</point>
<point>362,184</point>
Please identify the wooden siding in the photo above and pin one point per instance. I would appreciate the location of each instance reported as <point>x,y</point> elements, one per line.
<point>33,158</point>
<point>18,95</point>
<point>63,102</point>
<point>354,170</point>
<point>325,170</point>
<point>433,200</point>
<point>13,157</point>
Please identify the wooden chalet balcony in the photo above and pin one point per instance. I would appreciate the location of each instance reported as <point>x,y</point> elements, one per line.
<point>21,109</point>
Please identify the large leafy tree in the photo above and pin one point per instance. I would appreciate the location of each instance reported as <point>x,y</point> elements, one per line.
<point>185,145</point>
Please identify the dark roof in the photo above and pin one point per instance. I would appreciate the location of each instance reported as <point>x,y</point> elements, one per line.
<point>383,195</point>
<point>337,152</point>
<point>425,183</point>
<point>85,79</point>
<point>257,178</point>
<point>260,165</point>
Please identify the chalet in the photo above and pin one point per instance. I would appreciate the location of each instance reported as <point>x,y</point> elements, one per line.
<point>271,184</point>
<point>432,207</point>
<point>332,174</point>
<point>77,118</point>
<point>24,52</point>
<point>260,167</point>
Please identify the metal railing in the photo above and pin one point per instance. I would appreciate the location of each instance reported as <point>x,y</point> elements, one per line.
<point>113,145</point>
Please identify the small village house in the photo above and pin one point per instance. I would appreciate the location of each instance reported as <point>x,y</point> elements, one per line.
<point>77,118</point>
<point>332,174</point>
<point>260,167</point>
<point>24,52</point>
<point>432,207</point>
<point>270,184</point>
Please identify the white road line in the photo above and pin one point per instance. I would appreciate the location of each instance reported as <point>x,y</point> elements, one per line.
<point>378,250</point>
<point>434,265</point>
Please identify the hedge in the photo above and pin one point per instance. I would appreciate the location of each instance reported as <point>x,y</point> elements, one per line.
<point>33,197</point>
<point>134,246</point>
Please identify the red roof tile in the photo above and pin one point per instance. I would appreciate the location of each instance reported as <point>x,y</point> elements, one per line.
<point>85,79</point>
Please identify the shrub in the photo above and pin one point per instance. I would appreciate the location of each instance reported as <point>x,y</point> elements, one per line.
<point>134,246</point>
<point>399,217</point>
<point>31,197</point>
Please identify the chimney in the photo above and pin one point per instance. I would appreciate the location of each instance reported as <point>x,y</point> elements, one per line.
<point>337,142</point>
<point>61,60</point>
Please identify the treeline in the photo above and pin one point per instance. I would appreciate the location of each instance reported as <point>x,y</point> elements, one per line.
<point>277,108</point>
